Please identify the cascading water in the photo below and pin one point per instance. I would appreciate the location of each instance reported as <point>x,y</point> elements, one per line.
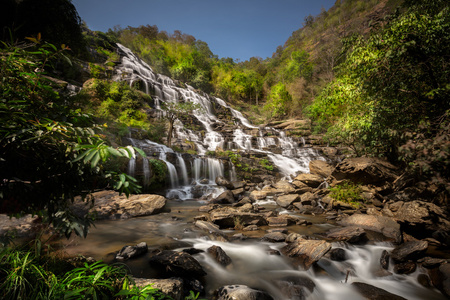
<point>292,160</point>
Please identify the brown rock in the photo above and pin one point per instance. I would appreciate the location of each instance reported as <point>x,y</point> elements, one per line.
<point>365,170</point>
<point>310,180</point>
<point>321,168</point>
<point>306,252</point>
<point>385,225</point>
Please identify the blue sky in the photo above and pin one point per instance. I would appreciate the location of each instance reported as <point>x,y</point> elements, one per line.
<point>238,29</point>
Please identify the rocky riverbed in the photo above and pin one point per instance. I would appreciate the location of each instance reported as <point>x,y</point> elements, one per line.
<point>281,240</point>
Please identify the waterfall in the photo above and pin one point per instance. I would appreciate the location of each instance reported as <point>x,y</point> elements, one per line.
<point>290,160</point>
<point>183,169</point>
<point>132,166</point>
<point>146,171</point>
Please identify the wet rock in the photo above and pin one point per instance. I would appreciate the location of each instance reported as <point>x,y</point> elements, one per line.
<point>296,287</point>
<point>274,237</point>
<point>211,228</point>
<point>221,181</point>
<point>409,251</point>
<point>407,267</point>
<point>310,180</point>
<point>306,252</point>
<point>338,254</point>
<point>226,197</point>
<point>111,205</point>
<point>172,287</point>
<point>219,255</point>
<point>384,259</point>
<point>374,293</point>
<point>385,225</point>
<point>241,292</point>
<point>350,234</point>
<point>128,252</point>
<point>424,280</point>
<point>365,170</point>
<point>321,168</point>
<point>176,263</point>
<point>287,200</point>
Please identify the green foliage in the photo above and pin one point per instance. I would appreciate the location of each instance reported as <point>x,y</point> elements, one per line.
<point>389,84</point>
<point>97,71</point>
<point>266,164</point>
<point>49,152</point>
<point>26,274</point>
<point>279,101</point>
<point>347,192</point>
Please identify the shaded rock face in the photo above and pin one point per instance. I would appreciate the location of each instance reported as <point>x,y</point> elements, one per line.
<point>365,170</point>
<point>374,293</point>
<point>306,252</point>
<point>172,263</point>
<point>385,225</point>
<point>111,205</point>
<point>241,292</point>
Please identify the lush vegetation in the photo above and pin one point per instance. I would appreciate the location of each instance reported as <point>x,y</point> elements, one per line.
<point>347,192</point>
<point>30,273</point>
<point>391,95</point>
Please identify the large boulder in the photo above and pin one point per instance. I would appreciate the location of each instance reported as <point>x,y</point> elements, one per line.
<point>306,252</point>
<point>321,168</point>
<point>241,292</point>
<point>111,205</point>
<point>365,170</point>
<point>176,263</point>
<point>385,225</point>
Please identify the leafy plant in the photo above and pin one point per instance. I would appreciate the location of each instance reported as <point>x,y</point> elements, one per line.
<point>347,192</point>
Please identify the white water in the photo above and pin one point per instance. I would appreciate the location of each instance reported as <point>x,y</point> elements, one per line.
<point>252,265</point>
